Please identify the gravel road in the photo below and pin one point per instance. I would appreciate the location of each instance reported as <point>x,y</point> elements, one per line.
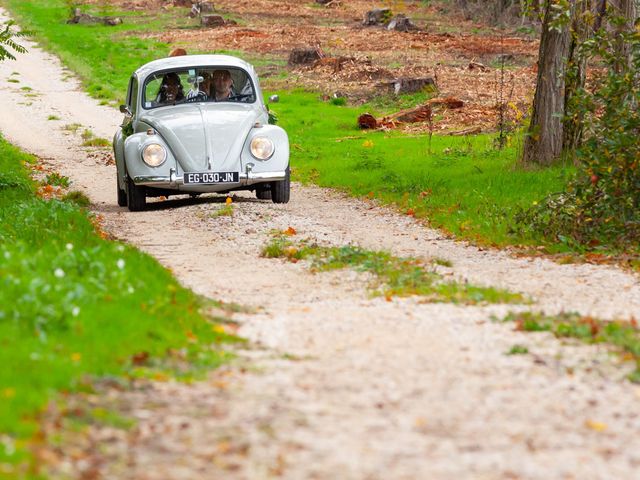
<point>339,385</point>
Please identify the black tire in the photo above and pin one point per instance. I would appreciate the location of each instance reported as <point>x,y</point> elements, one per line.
<point>122,195</point>
<point>280,190</point>
<point>263,192</point>
<point>136,196</point>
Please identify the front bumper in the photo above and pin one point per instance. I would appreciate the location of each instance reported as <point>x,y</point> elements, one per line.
<point>176,181</point>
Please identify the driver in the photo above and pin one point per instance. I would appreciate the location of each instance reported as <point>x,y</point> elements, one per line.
<point>222,85</point>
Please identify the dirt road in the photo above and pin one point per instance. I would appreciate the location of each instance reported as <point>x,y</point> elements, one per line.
<point>339,385</point>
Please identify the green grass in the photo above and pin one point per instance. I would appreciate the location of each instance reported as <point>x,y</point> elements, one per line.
<point>72,127</point>
<point>518,350</point>
<point>394,276</point>
<point>624,336</point>
<point>103,56</point>
<point>75,307</point>
<point>89,140</point>
<point>76,197</point>
<point>460,184</point>
<point>443,262</point>
<point>96,142</point>
<point>223,211</point>
<point>57,180</point>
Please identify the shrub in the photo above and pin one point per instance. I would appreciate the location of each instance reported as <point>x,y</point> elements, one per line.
<point>601,204</point>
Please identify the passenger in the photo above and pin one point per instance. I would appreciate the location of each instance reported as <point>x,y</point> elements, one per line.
<point>199,90</point>
<point>171,89</point>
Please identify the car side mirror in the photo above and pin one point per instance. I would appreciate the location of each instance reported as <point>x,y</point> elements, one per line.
<point>125,109</point>
<point>274,99</point>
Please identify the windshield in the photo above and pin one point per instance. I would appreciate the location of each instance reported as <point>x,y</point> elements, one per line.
<point>210,84</point>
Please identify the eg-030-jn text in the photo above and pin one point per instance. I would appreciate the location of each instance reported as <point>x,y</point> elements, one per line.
<point>211,177</point>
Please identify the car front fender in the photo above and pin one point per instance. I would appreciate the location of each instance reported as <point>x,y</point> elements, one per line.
<point>135,166</point>
<point>278,162</point>
<point>118,153</point>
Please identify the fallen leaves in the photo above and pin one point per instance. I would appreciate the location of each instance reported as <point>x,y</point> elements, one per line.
<point>596,426</point>
<point>218,329</point>
<point>140,358</point>
<point>8,392</point>
<point>191,337</point>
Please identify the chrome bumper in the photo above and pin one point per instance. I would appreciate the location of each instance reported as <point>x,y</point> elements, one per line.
<point>173,181</point>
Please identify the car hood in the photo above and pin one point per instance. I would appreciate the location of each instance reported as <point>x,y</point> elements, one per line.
<point>204,135</point>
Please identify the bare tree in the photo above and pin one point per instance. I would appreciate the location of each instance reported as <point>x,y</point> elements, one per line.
<point>544,140</point>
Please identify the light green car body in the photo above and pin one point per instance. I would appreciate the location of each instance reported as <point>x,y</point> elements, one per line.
<point>198,137</point>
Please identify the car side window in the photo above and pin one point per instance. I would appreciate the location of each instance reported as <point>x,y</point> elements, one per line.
<point>128,99</point>
<point>133,103</point>
<point>151,89</point>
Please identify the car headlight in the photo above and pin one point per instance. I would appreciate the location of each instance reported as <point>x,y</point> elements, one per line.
<point>262,148</point>
<point>154,154</point>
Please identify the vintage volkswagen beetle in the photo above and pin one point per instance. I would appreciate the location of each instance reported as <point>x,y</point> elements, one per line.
<point>178,137</point>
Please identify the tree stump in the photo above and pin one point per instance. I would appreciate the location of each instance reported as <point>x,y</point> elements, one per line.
<point>447,102</point>
<point>304,56</point>
<point>409,85</point>
<point>212,21</point>
<point>419,114</point>
<point>401,24</point>
<point>86,19</point>
<point>206,7</point>
<point>113,21</point>
<point>377,16</point>
<point>367,121</point>
<point>505,58</point>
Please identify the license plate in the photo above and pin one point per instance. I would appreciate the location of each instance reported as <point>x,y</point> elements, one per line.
<point>202,178</point>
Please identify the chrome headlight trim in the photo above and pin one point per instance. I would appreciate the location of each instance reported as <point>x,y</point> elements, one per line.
<point>262,148</point>
<point>154,154</point>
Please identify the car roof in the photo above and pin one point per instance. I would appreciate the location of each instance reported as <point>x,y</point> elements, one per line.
<point>185,61</point>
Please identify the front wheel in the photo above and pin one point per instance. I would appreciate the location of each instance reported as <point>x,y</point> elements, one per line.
<point>263,191</point>
<point>280,190</point>
<point>136,196</point>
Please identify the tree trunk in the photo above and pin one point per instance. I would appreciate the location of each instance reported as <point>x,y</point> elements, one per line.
<point>543,143</point>
<point>600,14</point>
<point>627,10</point>
<point>580,32</point>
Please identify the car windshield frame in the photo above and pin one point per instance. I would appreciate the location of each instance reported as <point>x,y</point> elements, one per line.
<point>195,71</point>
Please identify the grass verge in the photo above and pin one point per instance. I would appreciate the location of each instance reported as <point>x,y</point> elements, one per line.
<point>75,307</point>
<point>624,336</point>
<point>393,276</point>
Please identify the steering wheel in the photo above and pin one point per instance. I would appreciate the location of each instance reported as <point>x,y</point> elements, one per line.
<point>239,96</point>
<point>200,97</point>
